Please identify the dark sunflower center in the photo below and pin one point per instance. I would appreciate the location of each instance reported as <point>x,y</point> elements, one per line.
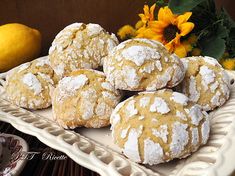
<point>170,32</point>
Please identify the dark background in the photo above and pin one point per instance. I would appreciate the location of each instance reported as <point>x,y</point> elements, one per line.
<point>50,16</point>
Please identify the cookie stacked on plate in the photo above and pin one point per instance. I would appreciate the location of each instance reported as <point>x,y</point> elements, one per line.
<point>155,125</point>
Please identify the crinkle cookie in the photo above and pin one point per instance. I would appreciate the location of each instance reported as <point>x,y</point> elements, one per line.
<point>206,82</point>
<point>29,85</point>
<point>84,98</point>
<point>142,64</point>
<point>80,46</point>
<point>156,127</point>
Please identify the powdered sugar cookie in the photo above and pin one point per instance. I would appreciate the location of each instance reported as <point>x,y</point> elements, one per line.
<point>29,85</point>
<point>142,64</point>
<point>84,98</point>
<point>80,46</point>
<point>156,127</point>
<point>206,82</point>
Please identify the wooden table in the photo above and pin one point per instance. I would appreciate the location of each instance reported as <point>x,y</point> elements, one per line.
<point>39,167</point>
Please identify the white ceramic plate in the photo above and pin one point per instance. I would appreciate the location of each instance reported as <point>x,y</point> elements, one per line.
<point>13,147</point>
<point>94,149</point>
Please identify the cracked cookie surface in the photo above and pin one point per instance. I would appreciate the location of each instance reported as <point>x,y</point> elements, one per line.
<point>29,85</point>
<point>84,98</point>
<point>206,82</point>
<point>156,127</point>
<point>142,64</point>
<point>80,46</point>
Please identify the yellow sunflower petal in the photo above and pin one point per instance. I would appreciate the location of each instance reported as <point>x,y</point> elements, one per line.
<point>158,38</point>
<point>143,18</point>
<point>148,33</point>
<point>139,24</point>
<point>180,51</point>
<point>183,18</point>
<point>141,30</point>
<point>140,35</point>
<point>170,46</point>
<point>166,15</point>
<point>152,8</point>
<point>146,10</point>
<point>158,24</point>
<point>161,14</point>
<point>185,28</point>
<point>176,40</point>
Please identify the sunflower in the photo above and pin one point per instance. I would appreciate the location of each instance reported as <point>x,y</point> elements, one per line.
<point>167,29</point>
<point>147,17</point>
<point>148,14</point>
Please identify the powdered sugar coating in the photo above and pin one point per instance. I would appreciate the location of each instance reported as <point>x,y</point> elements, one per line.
<point>140,54</point>
<point>80,46</point>
<point>144,101</point>
<point>85,99</point>
<point>42,62</point>
<point>124,132</point>
<point>69,85</point>
<point>94,29</point>
<point>150,137</point>
<point>130,109</point>
<point>208,76</point>
<point>195,114</point>
<point>115,119</point>
<point>132,79</point>
<point>32,82</point>
<point>47,78</point>
<point>215,101</point>
<point>131,148</point>
<point>138,64</point>
<point>206,82</point>
<point>159,106</point>
<point>181,115</point>
<point>211,61</point>
<point>153,152</point>
<point>29,85</point>
<point>161,80</point>
<point>205,130</point>
<point>23,66</point>
<point>194,94</point>
<point>180,138</point>
<point>162,132</point>
<point>87,103</point>
<point>179,98</point>
<point>195,136</point>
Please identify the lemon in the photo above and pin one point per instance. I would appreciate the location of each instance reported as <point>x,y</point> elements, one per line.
<point>18,44</point>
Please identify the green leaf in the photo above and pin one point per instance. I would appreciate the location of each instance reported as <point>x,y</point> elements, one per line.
<point>214,47</point>
<point>181,6</point>
<point>161,3</point>
<point>222,31</point>
<point>227,20</point>
<point>232,35</point>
